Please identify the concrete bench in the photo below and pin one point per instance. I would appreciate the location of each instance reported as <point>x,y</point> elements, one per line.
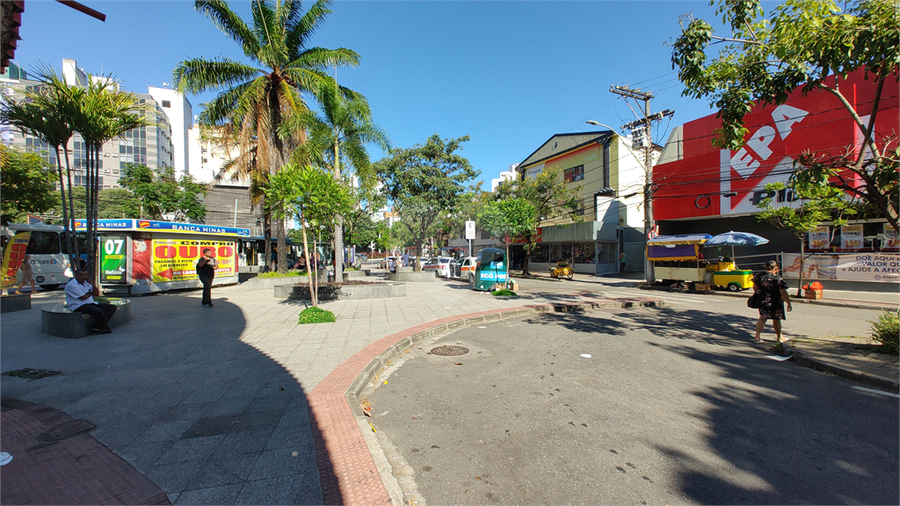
<point>15,302</point>
<point>60,322</point>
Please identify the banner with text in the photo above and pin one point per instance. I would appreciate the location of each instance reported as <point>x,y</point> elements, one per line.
<point>12,258</point>
<point>819,237</point>
<point>851,236</point>
<point>891,237</point>
<point>176,259</point>
<point>873,267</point>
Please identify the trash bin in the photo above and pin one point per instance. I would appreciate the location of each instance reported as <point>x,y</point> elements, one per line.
<point>491,269</point>
<point>331,276</point>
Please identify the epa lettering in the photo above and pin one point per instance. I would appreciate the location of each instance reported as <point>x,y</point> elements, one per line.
<point>783,195</point>
<point>745,162</point>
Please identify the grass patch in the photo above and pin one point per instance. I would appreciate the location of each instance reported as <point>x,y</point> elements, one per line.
<point>315,315</point>
<point>887,331</point>
<point>276,274</point>
<point>31,374</point>
<point>504,293</point>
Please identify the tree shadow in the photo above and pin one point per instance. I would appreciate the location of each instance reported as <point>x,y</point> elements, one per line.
<point>194,398</point>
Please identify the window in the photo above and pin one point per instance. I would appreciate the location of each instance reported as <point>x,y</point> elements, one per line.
<point>574,174</point>
<point>43,243</point>
<point>166,103</point>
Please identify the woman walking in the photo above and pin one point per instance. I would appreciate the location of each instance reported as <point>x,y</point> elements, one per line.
<point>772,290</point>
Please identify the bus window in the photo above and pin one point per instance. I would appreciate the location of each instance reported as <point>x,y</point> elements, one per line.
<point>43,243</point>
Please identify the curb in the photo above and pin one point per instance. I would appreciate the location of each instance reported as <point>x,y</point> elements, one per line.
<point>820,302</point>
<point>344,450</point>
<point>860,376</point>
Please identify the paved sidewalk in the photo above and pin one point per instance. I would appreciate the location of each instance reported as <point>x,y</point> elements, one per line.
<point>238,404</point>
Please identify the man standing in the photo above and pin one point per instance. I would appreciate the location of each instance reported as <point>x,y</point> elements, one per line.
<point>206,269</point>
<point>80,298</point>
<point>622,262</point>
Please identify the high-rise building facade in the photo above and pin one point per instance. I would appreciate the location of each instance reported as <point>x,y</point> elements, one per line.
<point>150,145</point>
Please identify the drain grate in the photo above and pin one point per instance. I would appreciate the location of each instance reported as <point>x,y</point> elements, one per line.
<point>449,351</point>
<point>32,374</point>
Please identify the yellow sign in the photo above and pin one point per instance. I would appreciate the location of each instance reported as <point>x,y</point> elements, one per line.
<point>176,259</point>
<point>12,258</point>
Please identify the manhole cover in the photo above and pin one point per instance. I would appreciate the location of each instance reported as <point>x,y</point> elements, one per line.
<point>449,351</point>
<point>32,374</point>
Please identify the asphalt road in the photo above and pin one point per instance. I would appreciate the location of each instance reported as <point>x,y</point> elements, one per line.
<point>674,405</point>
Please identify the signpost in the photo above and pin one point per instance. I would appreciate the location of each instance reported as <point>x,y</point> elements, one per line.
<point>470,234</point>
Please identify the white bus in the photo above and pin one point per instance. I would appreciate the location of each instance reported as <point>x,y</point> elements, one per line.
<point>47,253</point>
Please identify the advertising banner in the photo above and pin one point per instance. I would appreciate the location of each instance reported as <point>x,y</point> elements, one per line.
<point>176,259</point>
<point>873,267</point>
<point>851,236</point>
<point>891,237</point>
<point>820,237</point>
<point>12,258</point>
<point>113,260</point>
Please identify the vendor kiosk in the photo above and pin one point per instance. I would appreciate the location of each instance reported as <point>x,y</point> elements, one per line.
<point>677,258</point>
<point>146,256</point>
<point>491,271</point>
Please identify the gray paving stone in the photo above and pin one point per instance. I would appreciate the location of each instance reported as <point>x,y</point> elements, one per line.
<point>192,450</point>
<point>283,462</point>
<point>283,490</point>
<point>214,495</point>
<point>293,437</point>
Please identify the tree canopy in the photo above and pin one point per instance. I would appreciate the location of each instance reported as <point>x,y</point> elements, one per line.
<point>162,196</point>
<point>801,44</point>
<point>424,182</point>
<point>27,183</point>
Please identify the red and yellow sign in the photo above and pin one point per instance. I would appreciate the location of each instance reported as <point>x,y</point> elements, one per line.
<point>176,259</point>
<point>13,256</point>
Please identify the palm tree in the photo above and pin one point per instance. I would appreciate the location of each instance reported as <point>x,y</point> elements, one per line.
<point>106,112</point>
<point>257,99</point>
<point>45,114</point>
<point>341,132</point>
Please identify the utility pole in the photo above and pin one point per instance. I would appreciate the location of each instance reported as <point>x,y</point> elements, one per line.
<point>642,129</point>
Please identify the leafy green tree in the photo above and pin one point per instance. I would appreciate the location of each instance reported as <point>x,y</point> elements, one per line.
<point>821,202</point>
<point>113,203</point>
<point>801,43</point>
<point>313,196</point>
<point>338,137</point>
<point>162,196</point>
<point>508,219</point>
<point>258,98</point>
<point>424,182</point>
<point>27,184</point>
<point>552,201</point>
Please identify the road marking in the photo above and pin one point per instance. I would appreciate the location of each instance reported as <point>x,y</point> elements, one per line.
<point>879,392</point>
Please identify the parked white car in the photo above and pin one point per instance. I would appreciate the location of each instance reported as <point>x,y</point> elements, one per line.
<point>441,265</point>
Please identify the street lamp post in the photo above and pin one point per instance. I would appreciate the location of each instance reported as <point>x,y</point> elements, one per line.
<point>646,163</point>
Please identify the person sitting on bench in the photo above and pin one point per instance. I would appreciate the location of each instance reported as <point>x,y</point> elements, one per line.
<point>80,299</point>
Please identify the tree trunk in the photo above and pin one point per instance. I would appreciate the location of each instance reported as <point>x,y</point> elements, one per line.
<point>267,234</point>
<point>799,274</point>
<point>96,216</point>
<point>282,247</point>
<point>339,222</point>
<point>74,252</point>
<point>67,227</point>
<point>313,294</point>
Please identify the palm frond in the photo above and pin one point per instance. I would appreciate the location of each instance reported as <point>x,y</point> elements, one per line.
<point>230,24</point>
<point>299,35</point>
<point>199,75</point>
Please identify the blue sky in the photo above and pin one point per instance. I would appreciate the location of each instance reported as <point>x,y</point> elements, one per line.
<point>510,74</point>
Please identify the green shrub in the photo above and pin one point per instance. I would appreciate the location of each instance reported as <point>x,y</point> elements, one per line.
<point>315,315</point>
<point>275,274</point>
<point>504,293</point>
<point>886,331</point>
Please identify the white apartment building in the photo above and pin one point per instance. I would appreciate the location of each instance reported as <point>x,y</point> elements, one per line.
<point>179,112</point>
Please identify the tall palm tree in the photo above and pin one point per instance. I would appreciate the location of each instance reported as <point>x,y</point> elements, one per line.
<point>257,98</point>
<point>45,113</point>
<point>340,135</point>
<point>105,113</point>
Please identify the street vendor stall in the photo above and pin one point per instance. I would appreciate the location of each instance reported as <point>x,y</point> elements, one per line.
<point>146,256</point>
<point>677,258</point>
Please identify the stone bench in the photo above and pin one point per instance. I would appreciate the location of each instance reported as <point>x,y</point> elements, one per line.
<point>15,302</point>
<point>343,292</point>
<point>410,276</point>
<point>60,322</point>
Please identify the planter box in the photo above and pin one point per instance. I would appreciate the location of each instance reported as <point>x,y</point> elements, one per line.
<point>813,294</point>
<point>342,292</point>
<point>15,302</point>
<point>411,277</point>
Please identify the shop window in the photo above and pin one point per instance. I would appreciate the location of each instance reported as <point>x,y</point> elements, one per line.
<point>574,174</point>
<point>583,253</point>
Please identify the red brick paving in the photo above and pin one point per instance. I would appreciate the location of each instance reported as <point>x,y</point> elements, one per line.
<point>76,469</point>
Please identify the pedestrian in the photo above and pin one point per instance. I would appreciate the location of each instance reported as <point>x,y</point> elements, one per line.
<point>27,274</point>
<point>772,290</point>
<point>80,299</point>
<point>206,269</point>
<point>405,259</point>
<point>622,262</point>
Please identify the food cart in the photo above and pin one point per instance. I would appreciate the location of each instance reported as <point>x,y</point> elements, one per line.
<point>677,259</point>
